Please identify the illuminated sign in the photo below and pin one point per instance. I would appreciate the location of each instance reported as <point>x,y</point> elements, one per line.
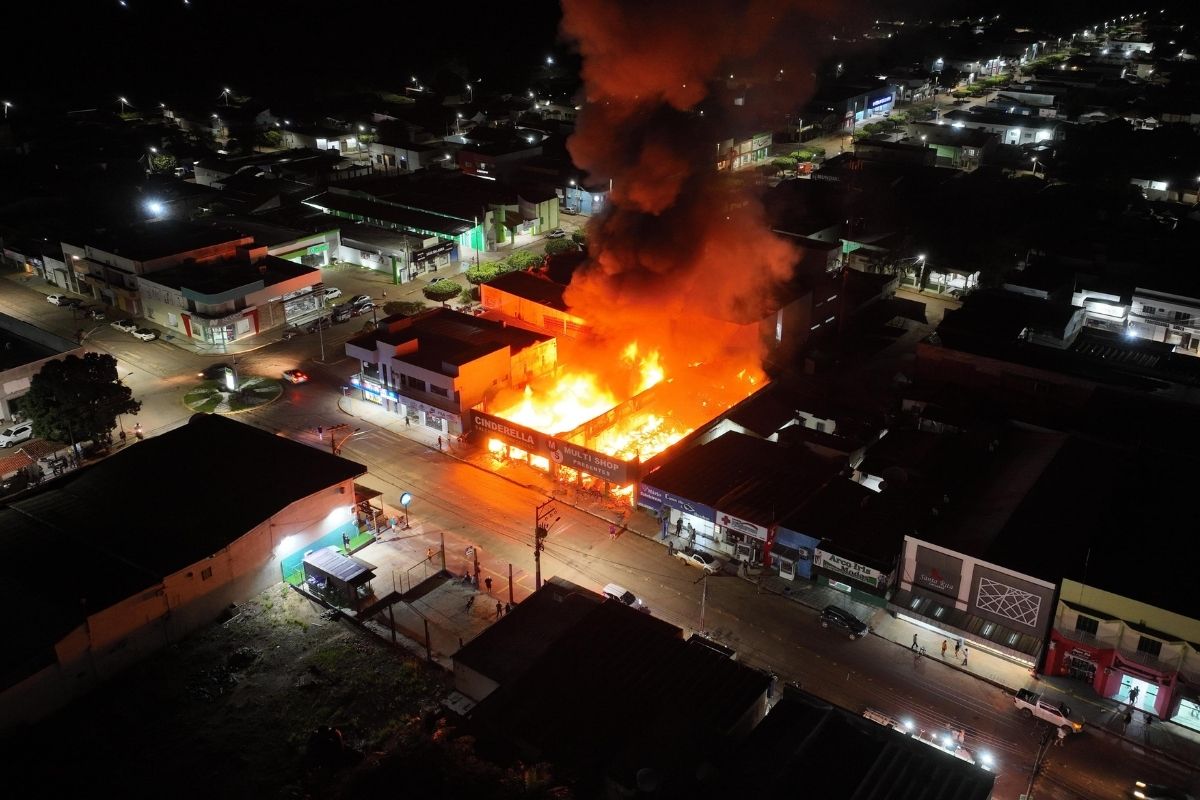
<point>733,523</point>
<point>881,101</point>
<point>564,453</point>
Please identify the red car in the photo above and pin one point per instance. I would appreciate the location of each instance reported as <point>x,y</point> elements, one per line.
<point>295,376</point>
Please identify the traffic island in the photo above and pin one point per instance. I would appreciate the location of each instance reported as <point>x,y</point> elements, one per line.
<point>212,397</point>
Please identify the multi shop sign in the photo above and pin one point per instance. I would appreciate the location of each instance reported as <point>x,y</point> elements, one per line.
<point>559,451</point>
<point>370,387</point>
<point>844,566</point>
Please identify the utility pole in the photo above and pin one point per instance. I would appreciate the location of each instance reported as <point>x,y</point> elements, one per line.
<point>335,445</point>
<point>541,529</point>
<point>703,599</point>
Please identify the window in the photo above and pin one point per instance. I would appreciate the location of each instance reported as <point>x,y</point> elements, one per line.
<point>1182,316</point>
<point>206,573</point>
<point>1087,625</point>
<point>1012,639</point>
<point>1151,647</point>
<point>987,629</point>
<point>1148,309</point>
<point>438,390</point>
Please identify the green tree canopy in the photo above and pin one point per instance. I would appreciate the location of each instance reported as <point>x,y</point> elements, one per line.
<point>481,273</point>
<point>523,259</point>
<point>555,246</point>
<point>269,138</point>
<point>78,399</point>
<point>405,307</point>
<point>442,291</point>
<point>163,162</point>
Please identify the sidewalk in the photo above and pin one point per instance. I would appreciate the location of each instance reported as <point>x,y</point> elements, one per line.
<point>1099,713</point>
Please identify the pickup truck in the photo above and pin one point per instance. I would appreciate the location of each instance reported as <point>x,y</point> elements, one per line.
<point>1033,704</point>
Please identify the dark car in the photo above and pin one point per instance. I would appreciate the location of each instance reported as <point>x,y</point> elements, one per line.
<point>320,324</point>
<point>342,313</point>
<point>840,618</point>
<point>214,371</point>
<point>1152,791</point>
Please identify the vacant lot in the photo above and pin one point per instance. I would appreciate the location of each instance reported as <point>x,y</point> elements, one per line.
<point>229,713</point>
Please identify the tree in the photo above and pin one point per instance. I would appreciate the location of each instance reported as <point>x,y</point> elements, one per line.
<point>78,399</point>
<point>403,307</point>
<point>163,162</point>
<point>481,273</point>
<point>442,291</point>
<point>270,138</point>
<point>784,163</point>
<point>523,259</point>
<point>556,246</point>
<point>579,237</point>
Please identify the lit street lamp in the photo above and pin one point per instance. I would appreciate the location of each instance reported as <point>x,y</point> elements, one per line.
<point>123,103</point>
<point>225,94</point>
<point>471,92</point>
<point>405,501</point>
<point>7,106</point>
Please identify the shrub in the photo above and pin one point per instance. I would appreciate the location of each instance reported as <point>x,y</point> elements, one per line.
<point>579,237</point>
<point>555,246</point>
<point>784,163</point>
<point>442,291</point>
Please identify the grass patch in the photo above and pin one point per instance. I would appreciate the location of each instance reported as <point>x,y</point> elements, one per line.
<point>212,397</point>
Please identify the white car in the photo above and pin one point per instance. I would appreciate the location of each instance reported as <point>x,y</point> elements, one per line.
<point>57,299</point>
<point>622,595</point>
<point>15,434</point>
<point>332,293</point>
<point>146,334</point>
<point>695,558</point>
<point>124,325</point>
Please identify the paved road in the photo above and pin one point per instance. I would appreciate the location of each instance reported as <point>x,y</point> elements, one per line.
<point>768,631</point>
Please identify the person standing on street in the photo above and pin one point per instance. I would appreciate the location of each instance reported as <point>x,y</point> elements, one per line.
<point>488,583</point>
<point>914,644</point>
<point>957,647</point>
<point>1133,695</point>
<point>499,609</point>
<point>965,652</point>
<point>945,644</point>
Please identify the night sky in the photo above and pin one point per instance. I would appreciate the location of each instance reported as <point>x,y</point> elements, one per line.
<point>161,50</point>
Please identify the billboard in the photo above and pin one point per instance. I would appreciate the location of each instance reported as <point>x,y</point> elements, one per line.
<point>851,569</point>
<point>1020,604</point>
<point>559,451</point>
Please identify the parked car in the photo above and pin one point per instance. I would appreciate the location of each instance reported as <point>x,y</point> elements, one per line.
<point>57,299</point>
<point>1155,791</point>
<point>72,302</point>
<point>295,376</point>
<point>557,233</point>
<point>93,312</point>
<point>696,558</point>
<point>342,313</point>
<point>124,325</point>
<point>360,299</point>
<point>215,371</point>
<point>622,595</point>
<point>320,324</point>
<point>841,618</point>
<point>572,210</point>
<point>332,293</point>
<point>146,334</point>
<point>289,334</point>
<point>15,434</point>
<point>361,308</point>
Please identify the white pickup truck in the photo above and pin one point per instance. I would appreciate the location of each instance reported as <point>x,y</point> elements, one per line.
<point>1033,704</point>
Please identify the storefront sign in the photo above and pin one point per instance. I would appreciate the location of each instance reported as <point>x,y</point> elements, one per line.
<point>844,566</point>
<point>879,101</point>
<point>680,504</point>
<point>317,249</point>
<point>421,256</point>
<point>938,571</point>
<point>733,523</point>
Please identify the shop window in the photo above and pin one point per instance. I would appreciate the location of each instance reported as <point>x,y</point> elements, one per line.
<point>916,601</point>
<point>1013,638</point>
<point>938,612</point>
<point>1151,647</point>
<point>1147,309</point>
<point>987,629</point>
<point>1087,625</point>
<point>438,390</point>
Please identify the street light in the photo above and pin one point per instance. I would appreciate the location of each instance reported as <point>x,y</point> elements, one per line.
<point>550,60</point>
<point>225,94</point>
<point>155,207</point>
<point>7,106</point>
<point>471,91</point>
<point>123,103</point>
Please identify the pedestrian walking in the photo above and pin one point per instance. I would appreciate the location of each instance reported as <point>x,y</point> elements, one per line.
<point>429,551</point>
<point>499,609</point>
<point>945,644</point>
<point>508,607</point>
<point>407,421</point>
<point>966,652</point>
<point>1133,695</point>
<point>957,647</point>
<point>612,531</point>
<point>321,432</point>
<point>914,644</point>
<point>1062,736</point>
<point>679,525</point>
<point>470,602</point>
<point>488,583</point>
<point>439,443</point>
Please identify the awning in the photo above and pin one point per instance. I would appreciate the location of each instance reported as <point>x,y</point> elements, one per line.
<point>363,494</point>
